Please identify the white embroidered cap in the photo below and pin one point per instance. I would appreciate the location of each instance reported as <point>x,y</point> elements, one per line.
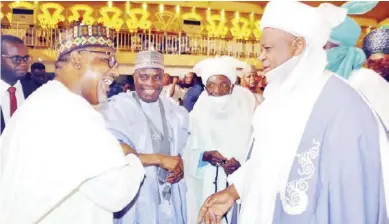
<point>149,59</point>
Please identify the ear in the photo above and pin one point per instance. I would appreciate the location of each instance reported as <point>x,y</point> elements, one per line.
<point>75,59</point>
<point>299,45</point>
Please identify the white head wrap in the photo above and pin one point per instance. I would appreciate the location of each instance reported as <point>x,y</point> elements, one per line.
<point>215,66</point>
<point>220,65</point>
<point>300,19</point>
<point>149,59</point>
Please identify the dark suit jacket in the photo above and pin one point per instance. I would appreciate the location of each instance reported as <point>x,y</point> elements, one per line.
<point>28,88</point>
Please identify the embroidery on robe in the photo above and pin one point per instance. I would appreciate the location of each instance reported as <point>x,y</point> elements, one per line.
<point>295,199</point>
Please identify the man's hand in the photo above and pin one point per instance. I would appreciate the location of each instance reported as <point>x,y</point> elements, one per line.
<point>231,166</point>
<point>217,205</point>
<point>214,157</point>
<point>173,164</point>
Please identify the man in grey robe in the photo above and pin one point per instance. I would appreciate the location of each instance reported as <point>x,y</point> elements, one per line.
<point>316,156</point>
<point>157,128</point>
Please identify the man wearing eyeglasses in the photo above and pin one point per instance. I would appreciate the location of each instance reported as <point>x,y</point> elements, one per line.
<point>14,66</point>
<point>220,127</point>
<point>157,128</point>
<point>58,163</point>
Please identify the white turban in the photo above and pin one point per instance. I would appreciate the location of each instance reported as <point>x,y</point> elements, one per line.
<point>215,66</point>
<point>299,19</point>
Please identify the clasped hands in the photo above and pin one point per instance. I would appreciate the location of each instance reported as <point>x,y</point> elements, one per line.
<point>174,165</point>
<point>216,159</point>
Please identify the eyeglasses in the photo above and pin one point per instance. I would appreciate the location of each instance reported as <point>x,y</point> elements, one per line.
<point>223,87</point>
<point>17,59</point>
<point>112,62</point>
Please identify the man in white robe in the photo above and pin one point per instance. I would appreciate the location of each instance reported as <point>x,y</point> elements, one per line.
<point>58,163</point>
<point>157,128</point>
<point>220,127</point>
<point>316,156</point>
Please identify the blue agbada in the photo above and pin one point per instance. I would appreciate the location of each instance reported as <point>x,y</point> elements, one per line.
<point>345,58</point>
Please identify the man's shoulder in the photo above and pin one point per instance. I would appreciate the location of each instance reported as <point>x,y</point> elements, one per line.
<point>345,100</point>
<point>121,102</point>
<point>175,109</point>
<point>28,86</point>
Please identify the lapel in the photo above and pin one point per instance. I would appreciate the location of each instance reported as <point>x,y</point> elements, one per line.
<point>27,87</point>
<point>2,123</point>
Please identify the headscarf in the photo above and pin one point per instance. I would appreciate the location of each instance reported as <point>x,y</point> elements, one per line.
<point>377,41</point>
<point>344,58</point>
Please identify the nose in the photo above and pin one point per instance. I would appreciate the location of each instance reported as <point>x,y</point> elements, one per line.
<point>114,71</point>
<point>23,64</point>
<point>262,56</point>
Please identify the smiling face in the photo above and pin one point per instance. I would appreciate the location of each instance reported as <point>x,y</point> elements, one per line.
<point>277,47</point>
<point>148,83</point>
<point>89,72</point>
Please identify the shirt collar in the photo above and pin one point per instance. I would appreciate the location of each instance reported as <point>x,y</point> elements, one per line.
<point>4,86</point>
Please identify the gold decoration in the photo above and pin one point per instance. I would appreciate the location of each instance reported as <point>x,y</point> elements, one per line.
<point>87,18</point>
<point>18,4</point>
<point>384,22</point>
<point>256,29</point>
<point>1,13</point>
<point>133,23</point>
<point>240,28</point>
<point>216,26</point>
<point>48,19</point>
<point>113,22</point>
<point>167,21</point>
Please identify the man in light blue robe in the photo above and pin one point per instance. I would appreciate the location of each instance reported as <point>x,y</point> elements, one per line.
<point>316,156</point>
<point>157,129</point>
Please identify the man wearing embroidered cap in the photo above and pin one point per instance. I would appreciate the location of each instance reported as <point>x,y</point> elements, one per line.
<point>220,127</point>
<point>157,128</point>
<point>316,156</point>
<point>79,172</point>
<point>376,47</point>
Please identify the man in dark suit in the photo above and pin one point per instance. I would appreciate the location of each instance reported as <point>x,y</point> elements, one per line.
<point>15,61</point>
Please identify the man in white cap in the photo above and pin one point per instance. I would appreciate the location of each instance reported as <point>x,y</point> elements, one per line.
<point>157,129</point>
<point>316,156</point>
<point>220,127</point>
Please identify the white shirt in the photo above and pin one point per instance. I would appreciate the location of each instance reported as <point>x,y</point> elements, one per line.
<point>5,98</point>
<point>77,173</point>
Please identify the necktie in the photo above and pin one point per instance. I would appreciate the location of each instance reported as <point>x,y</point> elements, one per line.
<point>13,100</point>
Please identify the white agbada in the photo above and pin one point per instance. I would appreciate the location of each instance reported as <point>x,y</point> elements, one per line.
<point>58,163</point>
<point>280,120</point>
<point>375,89</point>
<point>227,130</point>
